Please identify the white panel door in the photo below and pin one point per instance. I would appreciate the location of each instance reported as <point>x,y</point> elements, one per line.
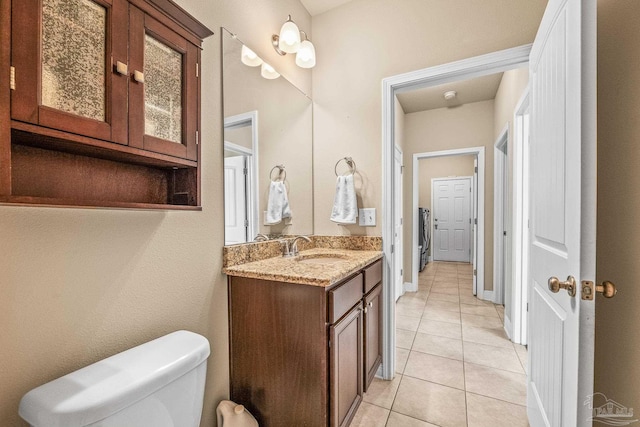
<point>235,200</point>
<point>452,219</point>
<point>562,214</point>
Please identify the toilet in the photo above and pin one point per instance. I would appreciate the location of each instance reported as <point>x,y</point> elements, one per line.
<point>156,384</point>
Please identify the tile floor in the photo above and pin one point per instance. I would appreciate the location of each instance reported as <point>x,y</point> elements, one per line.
<point>454,364</point>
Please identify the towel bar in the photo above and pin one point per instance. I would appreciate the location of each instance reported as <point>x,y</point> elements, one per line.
<point>349,161</point>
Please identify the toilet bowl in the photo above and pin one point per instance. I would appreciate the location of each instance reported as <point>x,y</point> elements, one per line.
<point>156,384</point>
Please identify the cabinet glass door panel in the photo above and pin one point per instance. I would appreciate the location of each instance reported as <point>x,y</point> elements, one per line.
<point>162,91</point>
<point>63,75</point>
<point>73,57</point>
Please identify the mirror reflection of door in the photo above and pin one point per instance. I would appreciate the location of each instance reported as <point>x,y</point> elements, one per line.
<point>236,221</point>
<point>452,219</point>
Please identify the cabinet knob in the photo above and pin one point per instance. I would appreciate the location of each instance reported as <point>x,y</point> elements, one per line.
<point>138,76</point>
<point>370,304</point>
<point>122,68</point>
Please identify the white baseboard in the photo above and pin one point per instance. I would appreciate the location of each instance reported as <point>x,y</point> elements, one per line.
<point>508,327</point>
<point>410,287</point>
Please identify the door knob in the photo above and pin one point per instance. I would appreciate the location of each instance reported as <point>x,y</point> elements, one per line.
<point>607,289</point>
<point>570,285</point>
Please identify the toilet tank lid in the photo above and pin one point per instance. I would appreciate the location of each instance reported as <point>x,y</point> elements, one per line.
<point>99,390</point>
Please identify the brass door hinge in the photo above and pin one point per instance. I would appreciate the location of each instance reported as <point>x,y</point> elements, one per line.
<point>12,80</point>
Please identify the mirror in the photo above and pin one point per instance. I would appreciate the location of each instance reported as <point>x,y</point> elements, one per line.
<point>267,151</point>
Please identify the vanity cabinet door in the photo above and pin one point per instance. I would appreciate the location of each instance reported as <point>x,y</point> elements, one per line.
<point>345,349</point>
<point>372,334</point>
<point>64,54</point>
<point>163,89</point>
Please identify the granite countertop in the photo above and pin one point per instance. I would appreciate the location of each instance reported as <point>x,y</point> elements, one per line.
<point>308,268</point>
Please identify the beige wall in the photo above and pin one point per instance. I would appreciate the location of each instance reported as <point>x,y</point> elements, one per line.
<point>512,87</point>
<point>364,41</point>
<point>618,241</point>
<point>78,285</point>
<point>470,125</point>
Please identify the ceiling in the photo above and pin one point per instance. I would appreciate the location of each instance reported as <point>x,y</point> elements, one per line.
<point>474,90</point>
<point>316,7</point>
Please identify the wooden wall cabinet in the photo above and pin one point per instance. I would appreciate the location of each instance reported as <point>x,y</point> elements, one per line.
<point>298,353</point>
<point>104,103</point>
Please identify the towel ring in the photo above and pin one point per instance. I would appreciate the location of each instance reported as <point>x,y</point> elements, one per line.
<point>280,170</point>
<point>349,161</point>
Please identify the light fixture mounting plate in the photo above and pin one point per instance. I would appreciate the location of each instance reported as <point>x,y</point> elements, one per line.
<point>275,41</point>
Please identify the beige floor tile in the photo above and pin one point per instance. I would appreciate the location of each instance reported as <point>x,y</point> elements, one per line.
<point>399,420</point>
<point>481,321</point>
<point>435,369</point>
<point>521,351</point>
<point>441,315</point>
<point>407,323</point>
<point>487,412</point>
<point>446,290</point>
<point>443,297</point>
<point>381,393</point>
<point>479,310</point>
<point>443,305</point>
<point>445,280</point>
<point>442,329</point>
<point>472,300</point>
<point>434,403</point>
<point>369,415</point>
<point>402,355</point>
<point>411,308</point>
<point>468,292</point>
<point>404,339</point>
<point>439,346</point>
<point>503,385</point>
<point>464,285</point>
<point>444,285</point>
<point>495,337</point>
<point>495,357</point>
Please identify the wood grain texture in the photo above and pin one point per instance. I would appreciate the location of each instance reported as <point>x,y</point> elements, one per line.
<point>5,97</point>
<point>372,276</point>
<point>278,351</point>
<point>343,297</point>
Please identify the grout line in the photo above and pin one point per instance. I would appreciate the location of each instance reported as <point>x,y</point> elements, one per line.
<point>495,398</point>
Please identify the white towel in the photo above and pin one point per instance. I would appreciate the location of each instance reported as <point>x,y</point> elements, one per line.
<point>278,204</point>
<point>345,204</point>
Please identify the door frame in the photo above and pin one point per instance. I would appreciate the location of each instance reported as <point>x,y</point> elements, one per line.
<point>500,224</point>
<point>472,213</point>
<point>477,66</point>
<point>247,154</point>
<point>520,242</point>
<point>399,287</point>
<point>478,231</point>
<point>240,120</point>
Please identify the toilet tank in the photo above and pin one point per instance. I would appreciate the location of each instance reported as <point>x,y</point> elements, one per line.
<point>156,384</point>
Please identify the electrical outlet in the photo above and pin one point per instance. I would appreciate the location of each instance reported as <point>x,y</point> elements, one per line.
<point>367,217</point>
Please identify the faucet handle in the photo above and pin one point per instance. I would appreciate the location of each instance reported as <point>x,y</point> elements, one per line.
<point>285,248</point>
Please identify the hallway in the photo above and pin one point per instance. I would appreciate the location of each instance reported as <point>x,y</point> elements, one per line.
<point>454,364</point>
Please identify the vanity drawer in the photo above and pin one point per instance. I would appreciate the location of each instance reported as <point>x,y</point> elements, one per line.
<point>344,297</point>
<point>372,275</point>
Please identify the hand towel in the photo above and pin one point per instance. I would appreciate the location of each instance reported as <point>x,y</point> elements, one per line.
<point>345,204</point>
<point>278,203</point>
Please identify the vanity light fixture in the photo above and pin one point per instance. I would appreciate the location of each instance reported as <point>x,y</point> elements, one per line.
<point>249,57</point>
<point>288,41</point>
<point>268,72</point>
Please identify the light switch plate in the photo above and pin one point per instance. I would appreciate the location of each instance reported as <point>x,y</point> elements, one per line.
<point>367,217</point>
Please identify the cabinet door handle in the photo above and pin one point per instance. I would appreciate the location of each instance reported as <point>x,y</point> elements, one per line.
<point>122,68</point>
<point>365,310</point>
<point>370,304</point>
<point>138,76</point>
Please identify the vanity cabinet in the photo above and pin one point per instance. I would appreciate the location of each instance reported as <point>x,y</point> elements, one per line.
<point>104,103</point>
<point>300,355</point>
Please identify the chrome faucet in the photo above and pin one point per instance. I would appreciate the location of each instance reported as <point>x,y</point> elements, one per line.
<point>261,238</point>
<point>290,248</point>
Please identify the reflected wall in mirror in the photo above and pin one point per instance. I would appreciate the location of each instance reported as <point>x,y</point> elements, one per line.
<point>267,122</point>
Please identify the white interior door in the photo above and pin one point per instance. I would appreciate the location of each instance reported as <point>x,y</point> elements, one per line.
<point>235,200</point>
<point>452,219</point>
<point>562,213</point>
<point>474,225</point>
<point>398,232</point>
